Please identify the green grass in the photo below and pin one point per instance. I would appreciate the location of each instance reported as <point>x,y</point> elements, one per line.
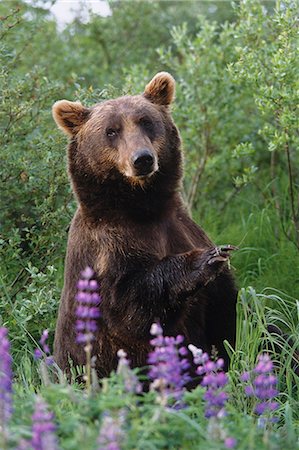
<point>266,257</point>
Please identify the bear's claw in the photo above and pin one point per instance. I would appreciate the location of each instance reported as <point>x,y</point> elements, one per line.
<point>221,253</point>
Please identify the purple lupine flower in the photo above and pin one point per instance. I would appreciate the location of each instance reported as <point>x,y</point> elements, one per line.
<point>87,311</point>
<point>38,354</point>
<point>112,434</point>
<point>43,428</point>
<point>230,442</point>
<point>262,385</point>
<point>5,381</point>
<point>131,381</point>
<point>168,365</point>
<point>43,341</point>
<point>214,380</point>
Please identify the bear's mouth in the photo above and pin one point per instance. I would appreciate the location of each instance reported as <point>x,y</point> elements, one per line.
<point>140,178</point>
<point>142,173</point>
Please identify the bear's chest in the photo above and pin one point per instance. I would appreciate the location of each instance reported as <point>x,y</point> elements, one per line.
<point>159,239</point>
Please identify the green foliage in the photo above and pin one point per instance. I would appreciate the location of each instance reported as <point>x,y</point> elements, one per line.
<point>236,107</point>
<point>268,64</point>
<point>217,118</point>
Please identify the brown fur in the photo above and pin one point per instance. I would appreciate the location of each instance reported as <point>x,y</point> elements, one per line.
<point>132,227</point>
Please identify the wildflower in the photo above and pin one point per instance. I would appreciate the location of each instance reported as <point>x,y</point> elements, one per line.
<point>38,354</point>
<point>214,380</point>
<point>262,385</point>
<point>43,428</point>
<point>87,310</point>
<point>199,357</point>
<point>130,379</point>
<point>112,433</point>
<point>87,313</point>
<point>5,381</point>
<point>230,442</point>
<point>43,341</point>
<point>168,365</point>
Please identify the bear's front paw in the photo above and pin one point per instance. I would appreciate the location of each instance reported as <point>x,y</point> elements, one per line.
<point>207,265</point>
<point>220,254</point>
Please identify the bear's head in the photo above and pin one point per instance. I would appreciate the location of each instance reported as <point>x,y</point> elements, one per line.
<point>128,144</point>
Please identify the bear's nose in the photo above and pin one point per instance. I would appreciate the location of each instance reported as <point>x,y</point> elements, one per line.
<point>143,161</point>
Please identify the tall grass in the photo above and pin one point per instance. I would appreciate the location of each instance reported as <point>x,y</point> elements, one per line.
<point>266,257</point>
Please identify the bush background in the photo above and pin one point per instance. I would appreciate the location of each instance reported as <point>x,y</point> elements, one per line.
<point>236,67</point>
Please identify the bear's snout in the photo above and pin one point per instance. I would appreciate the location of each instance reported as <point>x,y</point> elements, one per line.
<point>143,162</point>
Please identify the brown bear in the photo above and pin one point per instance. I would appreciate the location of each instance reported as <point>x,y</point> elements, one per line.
<point>152,261</point>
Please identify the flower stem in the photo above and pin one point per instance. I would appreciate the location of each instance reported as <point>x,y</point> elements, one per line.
<point>87,350</point>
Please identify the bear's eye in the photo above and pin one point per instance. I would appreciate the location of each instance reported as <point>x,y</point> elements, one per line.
<point>111,132</point>
<point>146,123</point>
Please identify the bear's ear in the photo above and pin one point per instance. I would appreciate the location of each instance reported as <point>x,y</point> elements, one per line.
<point>69,116</point>
<point>160,89</point>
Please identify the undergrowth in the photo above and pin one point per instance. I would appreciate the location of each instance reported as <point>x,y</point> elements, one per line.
<point>150,425</point>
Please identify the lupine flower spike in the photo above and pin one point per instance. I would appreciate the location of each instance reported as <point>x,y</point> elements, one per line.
<point>261,384</point>
<point>168,366</point>
<point>43,428</point>
<point>87,310</point>
<point>87,313</point>
<point>130,379</point>
<point>214,381</point>
<point>38,354</point>
<point>112,433</point>
<point>5,384</point>
<point>45,357</point>
<point>230,442</point>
